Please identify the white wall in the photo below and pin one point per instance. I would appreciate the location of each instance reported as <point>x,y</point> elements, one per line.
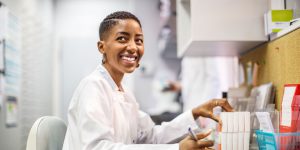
<point>35,17</point>
<point>148,13</point>
<point>9,134</point>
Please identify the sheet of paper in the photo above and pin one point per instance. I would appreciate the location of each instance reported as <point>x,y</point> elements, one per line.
<point>288,95</point>
<point>265,121</point>
<point>286,113</point>
<point>11,111</point>
<point>263,96</point>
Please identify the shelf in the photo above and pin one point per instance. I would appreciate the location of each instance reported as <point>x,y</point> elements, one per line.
<point>219,48</point>
<point>185,1</point>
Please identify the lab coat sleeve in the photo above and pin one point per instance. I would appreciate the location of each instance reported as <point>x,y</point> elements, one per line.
<point>167,132</point>
<point>94,125</point>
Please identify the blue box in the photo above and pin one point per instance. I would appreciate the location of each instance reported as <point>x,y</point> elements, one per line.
<point>276,141</point>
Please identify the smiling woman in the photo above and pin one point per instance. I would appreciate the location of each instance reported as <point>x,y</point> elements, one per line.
<point>104,115</point>
<point>123,48</point>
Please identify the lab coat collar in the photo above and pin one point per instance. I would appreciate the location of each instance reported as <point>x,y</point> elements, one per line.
<point>107,77</point>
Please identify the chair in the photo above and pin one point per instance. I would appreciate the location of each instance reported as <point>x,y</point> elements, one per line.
<point>47,133</point>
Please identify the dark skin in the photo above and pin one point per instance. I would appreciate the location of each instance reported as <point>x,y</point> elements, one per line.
<point>189,144</point>
<point>206,109</point>
<point>124,47</point>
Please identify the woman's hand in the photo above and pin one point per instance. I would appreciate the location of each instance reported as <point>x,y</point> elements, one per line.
<point>189,144</point>
<point>206,109</point>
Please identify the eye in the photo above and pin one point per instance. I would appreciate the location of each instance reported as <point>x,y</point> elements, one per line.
<point>121,39</point>
<point>139,41</point>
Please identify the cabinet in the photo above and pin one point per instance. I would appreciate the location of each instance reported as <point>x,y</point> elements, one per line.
<point>219,27</point>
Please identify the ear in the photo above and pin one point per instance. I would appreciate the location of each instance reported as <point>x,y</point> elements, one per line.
<point>100,45</point>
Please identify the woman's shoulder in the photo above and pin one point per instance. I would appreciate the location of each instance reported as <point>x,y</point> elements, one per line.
<point>95,76</point>
<point>94,79</point>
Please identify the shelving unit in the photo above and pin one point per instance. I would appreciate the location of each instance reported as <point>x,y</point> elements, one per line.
<point>278,61</point>
<point>219,28</point>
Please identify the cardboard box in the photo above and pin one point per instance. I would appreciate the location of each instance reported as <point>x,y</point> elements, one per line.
<point>276,20</point>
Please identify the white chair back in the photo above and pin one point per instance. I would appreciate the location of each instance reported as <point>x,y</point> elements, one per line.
<point>47,133</point>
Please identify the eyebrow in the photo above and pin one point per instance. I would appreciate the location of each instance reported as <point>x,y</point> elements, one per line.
<point>126,33</point>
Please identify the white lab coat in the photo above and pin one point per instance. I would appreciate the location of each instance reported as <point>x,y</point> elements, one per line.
<point>102,118</point>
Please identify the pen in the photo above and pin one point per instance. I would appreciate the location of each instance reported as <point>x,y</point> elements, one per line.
<point>192,133</point>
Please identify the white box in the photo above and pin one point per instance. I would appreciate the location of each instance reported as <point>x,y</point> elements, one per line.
<point>223,141</point>
<point>241,122</point>
<point>278,20</point>
<point>247,131</point>
<point>229,141</point>
<point>246,140</point>
<point>235,141</point>
<point>236,121</point>
<point>230,122</point>
<point>224,121</point>
<point>235,130</point>
<point>241,141</point>
<point>247,121</point>
<point>224,116</point>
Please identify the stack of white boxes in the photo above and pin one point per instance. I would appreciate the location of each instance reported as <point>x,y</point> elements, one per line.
<point>235,133</point>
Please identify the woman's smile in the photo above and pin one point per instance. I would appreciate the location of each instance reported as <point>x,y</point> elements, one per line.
<point>129,59</point>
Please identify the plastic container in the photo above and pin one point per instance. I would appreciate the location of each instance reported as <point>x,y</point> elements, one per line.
<point>278,141</point>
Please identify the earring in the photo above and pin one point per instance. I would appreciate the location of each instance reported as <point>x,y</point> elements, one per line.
<point>103,58</point>
<point>137,65</point>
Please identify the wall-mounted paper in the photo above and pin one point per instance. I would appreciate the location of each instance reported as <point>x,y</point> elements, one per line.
<point>11,111</point>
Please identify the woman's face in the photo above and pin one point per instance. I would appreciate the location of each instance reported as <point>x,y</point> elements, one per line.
<point>123,46</point>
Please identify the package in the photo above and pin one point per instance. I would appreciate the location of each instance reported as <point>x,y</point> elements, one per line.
<point>235,133</point>
<point>276,20</point>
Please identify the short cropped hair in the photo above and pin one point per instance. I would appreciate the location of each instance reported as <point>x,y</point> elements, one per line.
<point>112,19</point>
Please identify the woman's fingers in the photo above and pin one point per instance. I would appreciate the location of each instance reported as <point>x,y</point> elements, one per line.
<point>224,104</point>
<point>188,143</point>
<point>203,135</point>
<point>205,143</point>
<point>216,118</point>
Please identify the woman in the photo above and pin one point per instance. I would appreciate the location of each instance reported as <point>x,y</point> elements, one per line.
<point>104,115</point>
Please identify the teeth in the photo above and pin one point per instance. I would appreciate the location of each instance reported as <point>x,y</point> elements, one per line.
<point>128,58</point>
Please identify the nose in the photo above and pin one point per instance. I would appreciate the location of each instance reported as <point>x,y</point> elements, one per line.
<point>131,46</point>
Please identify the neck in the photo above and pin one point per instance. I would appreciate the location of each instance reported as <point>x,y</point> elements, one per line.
<point>117,76</point>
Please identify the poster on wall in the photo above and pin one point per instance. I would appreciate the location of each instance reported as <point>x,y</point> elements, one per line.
<point>10,65</point>
<point>11,111</point>
<point>12,55</point>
